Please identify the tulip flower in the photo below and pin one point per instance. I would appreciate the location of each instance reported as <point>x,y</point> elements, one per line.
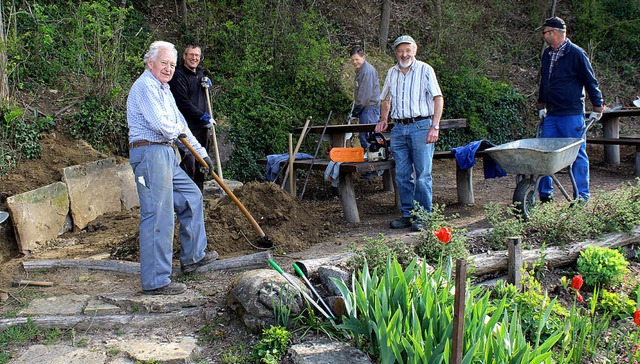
<point>576,282</point>
<point>444,234</point>
<point>636,317</point>
<point>580,299</point>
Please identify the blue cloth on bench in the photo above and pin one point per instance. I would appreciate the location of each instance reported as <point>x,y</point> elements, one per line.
<point>466,158</point>
<point>274,160</point>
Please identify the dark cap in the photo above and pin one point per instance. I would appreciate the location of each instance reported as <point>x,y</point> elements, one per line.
<point>403,39</point>
<point>554,22</point>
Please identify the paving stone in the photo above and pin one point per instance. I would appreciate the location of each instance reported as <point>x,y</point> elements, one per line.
<point>39,215</point>
<point>137,301</point>
<point>327,353</point>
<point>96,307</point>
<point>60,354</point>
<point>158,350</point>
<point>57,305</point>
<point>94,189</point>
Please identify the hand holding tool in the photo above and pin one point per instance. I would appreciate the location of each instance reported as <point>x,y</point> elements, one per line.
<point>299,289</point>
<point>264,239</point>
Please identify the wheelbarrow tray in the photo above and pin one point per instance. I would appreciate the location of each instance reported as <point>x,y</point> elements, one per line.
<point>536,156</point>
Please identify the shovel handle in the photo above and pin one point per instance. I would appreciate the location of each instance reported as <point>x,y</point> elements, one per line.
<point>276,266</point>
<point>224,187</point>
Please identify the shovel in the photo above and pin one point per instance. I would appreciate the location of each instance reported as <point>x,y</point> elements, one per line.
<point>264,241</point>
<point>3,216</point>
<point>206,83</point>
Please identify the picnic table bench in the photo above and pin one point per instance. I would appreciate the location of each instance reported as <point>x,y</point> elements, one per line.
<point>337,134</point>
<point>611,136</point>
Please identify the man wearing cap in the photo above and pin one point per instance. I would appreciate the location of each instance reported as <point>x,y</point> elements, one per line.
<point>411,96</point>
<point>566,72</point>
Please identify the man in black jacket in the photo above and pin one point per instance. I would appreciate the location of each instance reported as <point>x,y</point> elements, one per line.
<point>186,87</point>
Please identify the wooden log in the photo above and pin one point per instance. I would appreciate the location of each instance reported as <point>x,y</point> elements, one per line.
<point>515,262</point>
<point>554,256</point>
<point>348,198</point>
<point>310,266</point>
<point>250,261</point>
<point>242,262</point>
<point>611,129</point>
<point>27,282</point>
<point>464,183</point>
<point>457,346</point>
<point>83,322</point>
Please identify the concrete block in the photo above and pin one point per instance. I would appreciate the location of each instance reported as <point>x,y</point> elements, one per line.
<point>39,215</point>
<point>94,189</point>
<point>129,192</point>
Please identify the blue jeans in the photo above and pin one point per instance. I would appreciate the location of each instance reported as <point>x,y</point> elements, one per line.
<point>163,187</point>
<point>570,126</point>
<point>368,115</point>
<point>411,151</point>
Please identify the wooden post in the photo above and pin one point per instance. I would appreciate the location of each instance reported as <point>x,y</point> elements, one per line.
<point>464,183</point>
<point>292,157</point>
<point>458,312</point>
<point>514,275</point>
<point>348,198</point>
<point>611,129</point>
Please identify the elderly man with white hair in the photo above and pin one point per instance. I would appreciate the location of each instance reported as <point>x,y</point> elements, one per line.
<point>163,187</point>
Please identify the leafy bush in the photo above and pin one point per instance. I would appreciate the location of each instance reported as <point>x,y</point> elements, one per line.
<point>375,252</point>
<point>433,250</point>
<point>616,304</point>
<point>602,267</point>
<point>272,346</point>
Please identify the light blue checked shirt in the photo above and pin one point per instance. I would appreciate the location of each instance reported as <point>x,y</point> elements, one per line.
<point>411,95</point>
<point>153,116</point>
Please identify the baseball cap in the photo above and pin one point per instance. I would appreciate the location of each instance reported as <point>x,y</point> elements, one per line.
<point>403,39</point>
<point>553,22</point>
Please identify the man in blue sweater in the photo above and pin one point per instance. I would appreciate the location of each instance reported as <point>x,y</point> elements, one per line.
<point>566,72</point>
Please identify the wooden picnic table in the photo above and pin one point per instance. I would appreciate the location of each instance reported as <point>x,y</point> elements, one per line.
<point>611,130</point>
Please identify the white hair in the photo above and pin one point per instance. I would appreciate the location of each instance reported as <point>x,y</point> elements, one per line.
<point>155,48</point>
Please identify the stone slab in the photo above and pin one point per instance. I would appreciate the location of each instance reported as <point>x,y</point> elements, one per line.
<point>97,307</point>
<point>39,215</point>
<point>158,350</point>
<point>155,304</point>
<point>322,353</point>
<point>58,305</point>
<point>60,354</point>
<point>129,193</point>
<point>94,189</point>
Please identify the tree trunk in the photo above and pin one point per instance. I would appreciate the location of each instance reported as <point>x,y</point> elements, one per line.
<point>437,6</point>
<point>385,16</point>
<point>4,80</point>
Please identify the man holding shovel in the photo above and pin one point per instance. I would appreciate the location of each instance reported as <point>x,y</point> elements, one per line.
<point>163,187</point>
<point>190,97</point>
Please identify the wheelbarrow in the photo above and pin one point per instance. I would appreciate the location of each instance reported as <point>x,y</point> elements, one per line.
<point>532,159</point>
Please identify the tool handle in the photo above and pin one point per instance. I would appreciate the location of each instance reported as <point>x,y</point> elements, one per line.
<point>276,266</point>
<point>298,270</point>
<point>224,187</point>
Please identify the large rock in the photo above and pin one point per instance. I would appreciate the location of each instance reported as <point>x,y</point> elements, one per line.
<point>129,192</point>
<point>253,295</point>
<point>94,189</point>
<point>39,215</point>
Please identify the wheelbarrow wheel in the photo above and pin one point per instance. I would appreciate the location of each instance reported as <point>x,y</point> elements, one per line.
<point>524,197</point>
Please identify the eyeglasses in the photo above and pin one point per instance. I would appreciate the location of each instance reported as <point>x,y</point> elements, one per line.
<point>547,31</point>
<point>195,55</point>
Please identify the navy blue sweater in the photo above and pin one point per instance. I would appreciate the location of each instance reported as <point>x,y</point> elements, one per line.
<point>563,92</point>
<point>190,96</point>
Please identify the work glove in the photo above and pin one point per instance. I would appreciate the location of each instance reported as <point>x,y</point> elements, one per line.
<point>542,113</point>
<point>205,117</point>
<point>205,82</point>
<point>595,115</point>
<point>209,165</point>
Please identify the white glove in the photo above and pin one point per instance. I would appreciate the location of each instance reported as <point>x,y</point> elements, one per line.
<point>542,113</point>
<point>211,124</point>
<point>595,115</point>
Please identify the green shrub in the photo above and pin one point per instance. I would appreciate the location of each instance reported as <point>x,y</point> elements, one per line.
<point>272,346</point>
<point>375,252</point>
<point>433,250</point>
<point>616,304</point>
<point>601,267</point>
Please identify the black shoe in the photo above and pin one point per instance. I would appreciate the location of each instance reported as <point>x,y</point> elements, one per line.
<point>546,199</point>
<point>401,223</point>
<point>172,288</point>
<point>418,225</point>
<point>208,259</point>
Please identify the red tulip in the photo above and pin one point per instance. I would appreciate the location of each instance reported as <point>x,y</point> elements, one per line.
<point>582,299</point>
<point>576,282</point>
<point>636,317</point>
<point>444,234</point>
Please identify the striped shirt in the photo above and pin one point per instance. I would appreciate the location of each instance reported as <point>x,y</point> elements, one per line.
<point>411,95</point>
<point>153,116</point>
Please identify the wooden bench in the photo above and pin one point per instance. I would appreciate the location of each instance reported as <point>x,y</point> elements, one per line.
<point>611,130</point>
<point>626,140</point>
<point>337,133</point>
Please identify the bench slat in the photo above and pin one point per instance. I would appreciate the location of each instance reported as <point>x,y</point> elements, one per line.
<point>614,141</point>
<point>360,128</point>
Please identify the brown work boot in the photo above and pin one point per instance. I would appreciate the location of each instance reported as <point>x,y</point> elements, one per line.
<point>208,259</point>
<point>172,288</point>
